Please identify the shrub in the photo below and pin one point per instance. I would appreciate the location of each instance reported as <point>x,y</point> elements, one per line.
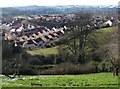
<point>26,70</point>
<point>69,68</point>
<point>105,66</point>
<point>35,61</point>
<point>95,63</point>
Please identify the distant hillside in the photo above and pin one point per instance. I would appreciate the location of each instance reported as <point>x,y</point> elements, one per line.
<point>9,12</point>
<point>30,10</point>
<point>68,9</point>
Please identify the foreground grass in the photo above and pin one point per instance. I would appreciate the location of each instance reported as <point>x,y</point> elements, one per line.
<point>85,80</point>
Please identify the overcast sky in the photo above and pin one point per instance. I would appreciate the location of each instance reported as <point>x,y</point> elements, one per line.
<point>10,3</point>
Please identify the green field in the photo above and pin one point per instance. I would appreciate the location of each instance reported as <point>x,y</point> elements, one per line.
<point>85,80</point>
<point>44,51</point>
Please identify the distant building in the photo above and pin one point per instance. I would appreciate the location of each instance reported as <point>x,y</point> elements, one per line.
<point>108,23</point>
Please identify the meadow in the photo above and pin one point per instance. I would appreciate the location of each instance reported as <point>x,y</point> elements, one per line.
<point>84,80</point>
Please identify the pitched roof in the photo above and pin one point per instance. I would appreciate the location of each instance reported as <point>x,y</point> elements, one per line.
<point>44,39</point>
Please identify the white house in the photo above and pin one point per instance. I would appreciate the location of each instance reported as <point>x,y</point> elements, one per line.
<point>108,23</point>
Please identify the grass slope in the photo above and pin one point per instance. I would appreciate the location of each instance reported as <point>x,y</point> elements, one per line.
<point>44,51</point>
<point>86,80</point>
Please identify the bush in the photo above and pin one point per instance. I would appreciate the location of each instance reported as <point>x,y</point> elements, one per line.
<point>69,68</point>
<point>95,63</point>
<point>26,70</point>
<point>35,61</point>
<point>105,66</point>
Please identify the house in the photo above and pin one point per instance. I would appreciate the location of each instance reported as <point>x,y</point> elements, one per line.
<point>50,37</point>
<point>39,41</point>
<point>44,39</point>
<point>55,35</point>
<point>25,37</point>
<point>21,39</point>
<point>105,23</point>
<point>35,36</point>
<point>29,45</point>
<point>40,34</point>
<point>5,27</point>
<point>108,23</point>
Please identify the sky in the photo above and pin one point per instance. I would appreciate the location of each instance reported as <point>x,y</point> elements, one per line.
<point>11,3</point>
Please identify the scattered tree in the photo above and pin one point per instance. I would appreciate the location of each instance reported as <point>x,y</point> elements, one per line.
<point>113,53</point>
<point>77,38</point>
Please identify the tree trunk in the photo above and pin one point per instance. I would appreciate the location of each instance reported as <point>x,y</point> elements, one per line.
<point>81,58</point>
<point>116,71</point>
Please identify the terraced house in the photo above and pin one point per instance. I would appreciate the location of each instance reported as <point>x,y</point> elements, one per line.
<point>22,32</point>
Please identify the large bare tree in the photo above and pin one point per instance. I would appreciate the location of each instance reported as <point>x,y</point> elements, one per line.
<point>77,38</point>
<point>113,52</point>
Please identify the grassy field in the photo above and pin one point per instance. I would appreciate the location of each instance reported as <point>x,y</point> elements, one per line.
<point>44,51</point>
<point>21,16</point>
<point>85,80</point>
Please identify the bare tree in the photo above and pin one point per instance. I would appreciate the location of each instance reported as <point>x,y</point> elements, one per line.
<point>77,38</point>
<point>113,53</point>
<point>12,60</point>
<point>14,66</point>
